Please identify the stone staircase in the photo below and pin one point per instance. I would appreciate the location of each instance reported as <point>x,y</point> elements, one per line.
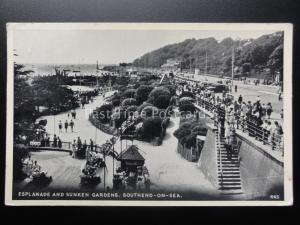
<point>229,176</point>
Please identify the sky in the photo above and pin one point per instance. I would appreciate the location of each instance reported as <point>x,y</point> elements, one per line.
<point>106,46</point>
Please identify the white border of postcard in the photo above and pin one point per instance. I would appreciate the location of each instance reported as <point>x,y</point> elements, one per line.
<point>288,134</point>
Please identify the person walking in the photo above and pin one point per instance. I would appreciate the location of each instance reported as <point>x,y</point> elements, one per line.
<point>235,88</point>
<point>66,126</point>
<point>240,99</point>
<point>79,143</point>
<point>74,145</point>
<point>279,94</point>
<point>72,125</point>
<point>91,144</point>
<point>59,142</point>
<point>277,132</point>
<point>269,110</point>
<point>47,141</point>
<point>60,126</point>
<point>84,147</point>
<point>265,131</point>
<point>227,131</point>
<point>54,141</point>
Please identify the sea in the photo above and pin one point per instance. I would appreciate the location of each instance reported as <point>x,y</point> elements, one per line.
<point>72,69</point>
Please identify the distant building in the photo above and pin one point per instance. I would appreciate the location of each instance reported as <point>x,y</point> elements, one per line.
<point>171,64</point>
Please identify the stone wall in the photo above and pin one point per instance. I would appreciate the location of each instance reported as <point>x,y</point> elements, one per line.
<point>262,175</point>
<point>187,153</point>
<point>208,157</point>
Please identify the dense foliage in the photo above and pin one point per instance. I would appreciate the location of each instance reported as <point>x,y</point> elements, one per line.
<point>188,131</point>
<point>250,54</point>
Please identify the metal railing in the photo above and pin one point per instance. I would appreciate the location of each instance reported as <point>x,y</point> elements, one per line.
<point>246,125</point>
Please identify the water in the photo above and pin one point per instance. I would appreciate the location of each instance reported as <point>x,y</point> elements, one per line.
<point>49,69</point>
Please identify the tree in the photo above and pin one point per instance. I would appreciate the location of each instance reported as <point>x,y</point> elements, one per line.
<point>246,67</point>
<point>276,60</point>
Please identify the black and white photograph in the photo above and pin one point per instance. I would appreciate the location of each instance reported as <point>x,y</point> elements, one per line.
<point>150,114</point>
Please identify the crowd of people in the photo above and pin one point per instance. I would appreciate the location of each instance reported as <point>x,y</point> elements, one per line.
<point>79,148</point>
<point>56,141</point>
<point>68,123</point>
<point>251,117</point>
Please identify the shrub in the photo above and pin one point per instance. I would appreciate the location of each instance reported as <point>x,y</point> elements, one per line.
<point>116,96</point>
<point>129,93</point>
<point>159,91</point>
<point>20,152</point>
<point>199,130</point>
<point>142,106</point>
<point>162,101</point>
<point>142,93</point>
<point>187,108</point>
<point>130,110</point>
<point>180,133</point>
<point>190,140</point>
<point>104,112</point>
<point>149,111</point>
<point>188,131</point>
<point>185,100</point>
<point>152,127</point>
<point>171,88</point>
<point>116,102</point>
<point>128,102</point>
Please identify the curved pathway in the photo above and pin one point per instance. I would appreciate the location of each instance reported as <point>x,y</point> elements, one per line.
<point>168,170</point>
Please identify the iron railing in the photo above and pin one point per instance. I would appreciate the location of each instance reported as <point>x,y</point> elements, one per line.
<point>246,125</point>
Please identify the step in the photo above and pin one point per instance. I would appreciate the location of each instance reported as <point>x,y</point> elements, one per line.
<point>230,182</point>
<point>232,192</point>
<point>233,180</point>
<point>225,173</point>
<point>229,176</point>
<point>228,166</point>
<point>223,154</point>
<point>229,162</point>
<point>230,188</point>
<point>228,159</point>
<point>225,159</point>
<point>230,170</point>
<point>234,161</point>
